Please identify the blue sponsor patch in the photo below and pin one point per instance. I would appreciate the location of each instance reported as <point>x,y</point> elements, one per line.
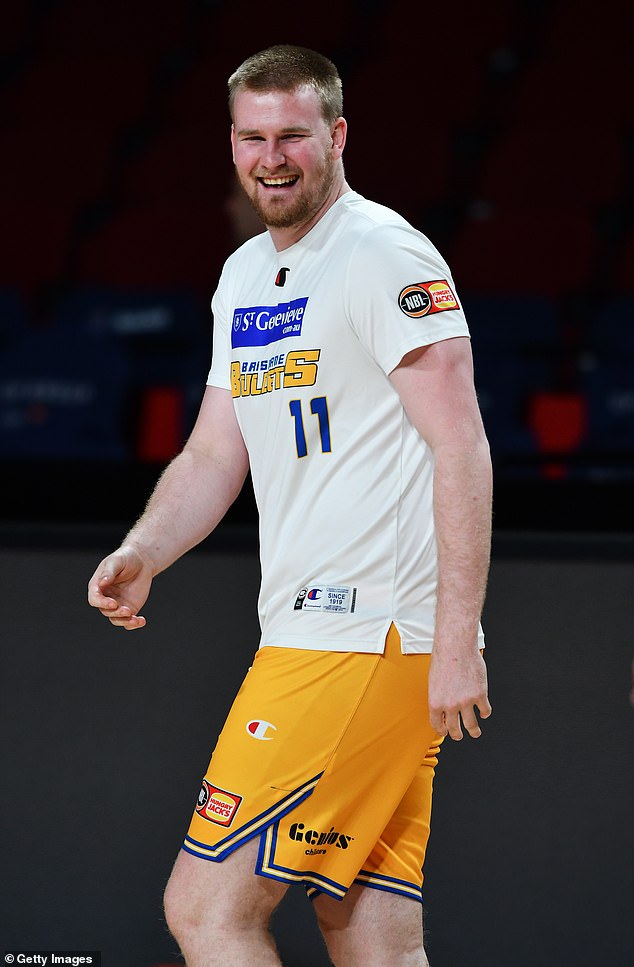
<point>261,325</point>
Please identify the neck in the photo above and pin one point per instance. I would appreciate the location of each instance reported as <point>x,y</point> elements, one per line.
<point>285,237</point>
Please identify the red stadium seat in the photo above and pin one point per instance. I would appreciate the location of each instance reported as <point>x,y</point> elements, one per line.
<point>49,159</point>
<point>13,23</point>
<point>231,33</point>
<point>160,433</point>
<point>95,88</point>
<point>237,30</point>
<point>424,68</point>
<point>143,28</point>
<point>559,423</point>
<point>574,87</point>
<point>200,97</point>
<point>397,152</point>
<point>184,161</point>
<point>599,32</point>
<point>553,164</point>
<point>177,244</point>
<point>543,251</point>
<point>36,236</point>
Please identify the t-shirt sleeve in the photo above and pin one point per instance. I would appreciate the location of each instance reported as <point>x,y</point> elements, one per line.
<point>219,374</point>
<point>400,295</point>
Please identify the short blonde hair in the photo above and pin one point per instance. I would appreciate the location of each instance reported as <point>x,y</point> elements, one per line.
<point>285,67</point>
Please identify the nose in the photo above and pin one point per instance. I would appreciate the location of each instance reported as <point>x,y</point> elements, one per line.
<point>273,155</point>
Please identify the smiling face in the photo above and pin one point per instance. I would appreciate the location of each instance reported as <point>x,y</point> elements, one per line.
<point>288,158</point>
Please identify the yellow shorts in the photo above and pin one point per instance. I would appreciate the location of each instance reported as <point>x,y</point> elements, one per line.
<point>328,758</point>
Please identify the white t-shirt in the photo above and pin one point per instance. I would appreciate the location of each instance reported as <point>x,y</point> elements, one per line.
<point>342,480</point>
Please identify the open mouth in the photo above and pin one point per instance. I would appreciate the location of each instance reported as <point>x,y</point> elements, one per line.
<point>286,181</point>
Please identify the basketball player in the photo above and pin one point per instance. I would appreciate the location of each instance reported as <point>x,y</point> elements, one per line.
<point>342,376</point>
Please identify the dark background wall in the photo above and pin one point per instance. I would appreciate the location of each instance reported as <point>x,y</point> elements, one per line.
<point>105,736</point>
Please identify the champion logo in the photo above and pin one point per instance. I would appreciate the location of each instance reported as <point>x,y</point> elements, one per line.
<point>258,728</point>
<point>281,276</point>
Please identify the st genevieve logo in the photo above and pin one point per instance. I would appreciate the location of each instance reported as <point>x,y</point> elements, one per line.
<point>217,805</point>
<point>426,298</point>
<point>318,841</point>
<point>263,325</point>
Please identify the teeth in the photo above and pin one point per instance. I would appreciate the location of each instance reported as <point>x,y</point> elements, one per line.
<point>279,181</point>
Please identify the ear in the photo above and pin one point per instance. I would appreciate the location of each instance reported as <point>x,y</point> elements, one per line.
<point>233,143</point>
<point>339,134</point>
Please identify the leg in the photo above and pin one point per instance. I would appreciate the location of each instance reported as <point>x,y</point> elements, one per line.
<point>372,928</point>
<point>219,912</point>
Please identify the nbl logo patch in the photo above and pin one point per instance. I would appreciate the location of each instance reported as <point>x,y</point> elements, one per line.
<point>427,298</point>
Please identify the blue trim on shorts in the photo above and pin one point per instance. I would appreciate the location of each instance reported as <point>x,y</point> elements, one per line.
<point>415,893</point>
<point>390,884</point>
<point>245,832</point>
<point>286,875</point>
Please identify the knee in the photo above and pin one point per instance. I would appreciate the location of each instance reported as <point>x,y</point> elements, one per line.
<point>181,914</point>
<point>189,908</point>
<point>189,913</point>
<point>206,900</point>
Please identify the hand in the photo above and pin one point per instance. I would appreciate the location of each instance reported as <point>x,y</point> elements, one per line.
<point>457,685</point>
<point>120,587</point>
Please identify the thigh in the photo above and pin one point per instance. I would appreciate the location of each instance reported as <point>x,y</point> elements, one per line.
<point>369,928</point>
<point>211,892</point>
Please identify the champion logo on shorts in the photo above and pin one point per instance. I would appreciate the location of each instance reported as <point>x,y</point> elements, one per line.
<point>426,298</point>
<point>258,728</point>
<point>217,805</point>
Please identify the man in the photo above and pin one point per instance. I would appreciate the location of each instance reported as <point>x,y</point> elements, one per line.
<point>342,376</point>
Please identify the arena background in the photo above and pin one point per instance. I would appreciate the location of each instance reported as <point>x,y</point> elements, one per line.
<point>505,131</point>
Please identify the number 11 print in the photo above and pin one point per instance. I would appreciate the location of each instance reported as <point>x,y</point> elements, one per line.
<point>319,408</point>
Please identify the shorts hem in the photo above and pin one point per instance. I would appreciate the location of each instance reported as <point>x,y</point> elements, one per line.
<point>389,884</point>
<point>376,881</point>
<point>266,866</point>
<point>217,852</point>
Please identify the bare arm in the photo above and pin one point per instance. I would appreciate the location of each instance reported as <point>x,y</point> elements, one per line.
<point>191,497</point>
<point>435,384</point>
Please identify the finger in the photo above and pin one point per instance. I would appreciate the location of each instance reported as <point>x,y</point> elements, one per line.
<point>110,570</point>
<point>437,721</point>
<point>102,579</point>
<point>99,600</point>
<point>470,723</point>
<point>453,725</point>
<point>130,623</point>
<point>123,613</point>
<point>484,708</point>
